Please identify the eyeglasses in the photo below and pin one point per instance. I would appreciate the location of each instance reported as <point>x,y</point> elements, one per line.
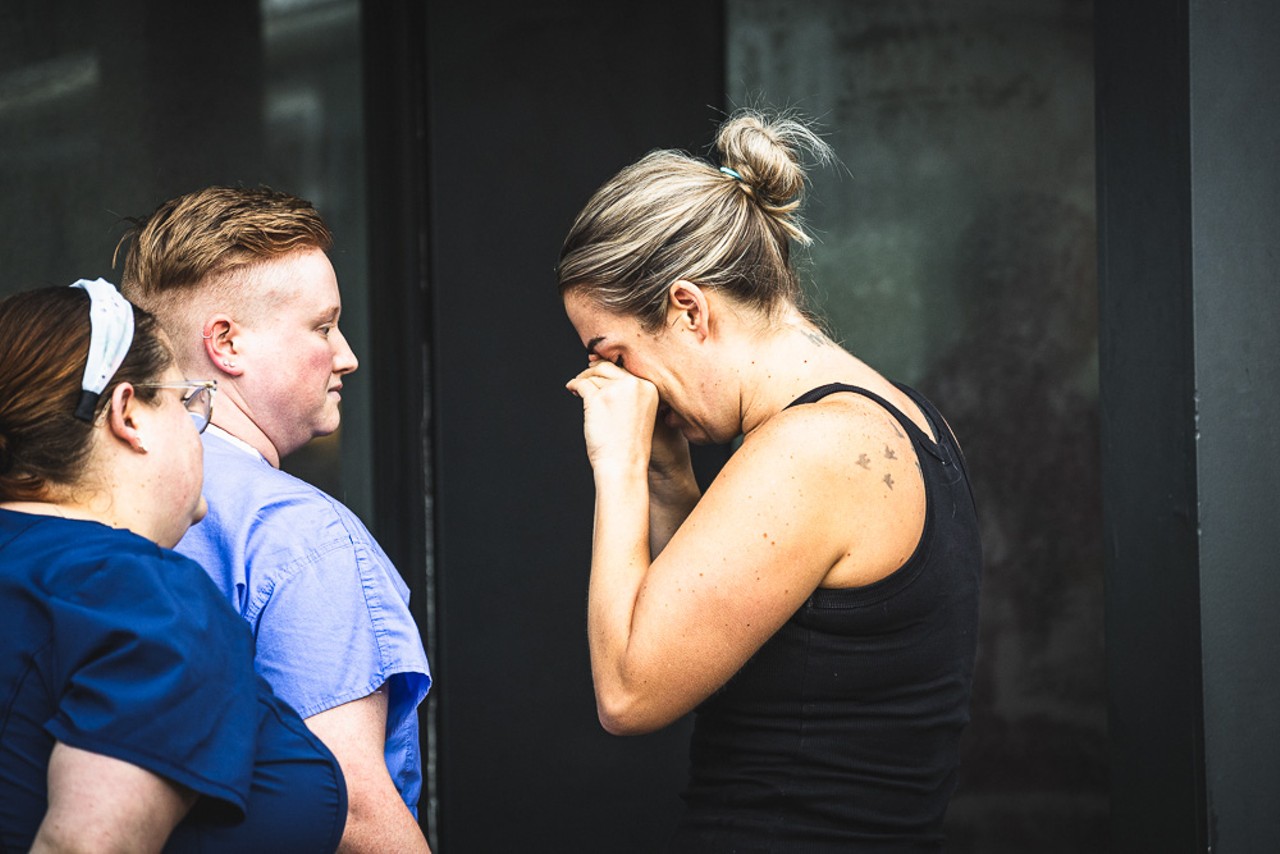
<point>198,400</point>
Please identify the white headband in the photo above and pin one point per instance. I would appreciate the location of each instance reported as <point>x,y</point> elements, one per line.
<point>110,335</point>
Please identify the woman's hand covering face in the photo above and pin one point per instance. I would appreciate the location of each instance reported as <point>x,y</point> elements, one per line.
<point>619,416</point>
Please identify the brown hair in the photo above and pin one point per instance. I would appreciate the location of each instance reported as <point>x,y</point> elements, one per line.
<point>210,233</point>
<point>672,216</point>
<point>44,343</point>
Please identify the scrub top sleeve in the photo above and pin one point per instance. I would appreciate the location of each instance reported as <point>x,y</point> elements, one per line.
<point>158,673</point>
<point>335,628</point>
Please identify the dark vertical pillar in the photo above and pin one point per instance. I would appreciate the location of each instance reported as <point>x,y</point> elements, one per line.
<point>1147,365</point>
<point>395,101</point>
<point>1188,122</point>
<point>531,107</point>
<point>1235,244</point>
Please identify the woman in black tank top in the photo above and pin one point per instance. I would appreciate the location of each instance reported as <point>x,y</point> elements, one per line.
<point>818,605</point>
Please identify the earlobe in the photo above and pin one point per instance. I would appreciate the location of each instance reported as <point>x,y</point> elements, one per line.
<point>219,337</point>
<point>122,417</point>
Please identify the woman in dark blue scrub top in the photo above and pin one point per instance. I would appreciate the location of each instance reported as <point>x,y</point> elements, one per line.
<point>130,715</point>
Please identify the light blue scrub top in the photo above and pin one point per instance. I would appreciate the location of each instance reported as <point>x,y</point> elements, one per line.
<point>328,610</point>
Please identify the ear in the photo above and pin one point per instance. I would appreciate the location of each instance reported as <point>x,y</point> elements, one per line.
<point>220,336</point>
<point>122,417</point>
<point>688,308</point>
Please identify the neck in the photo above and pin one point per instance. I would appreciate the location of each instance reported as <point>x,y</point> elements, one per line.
<point>783,362</point>
<point>232,416</point>
<point>231,412</point>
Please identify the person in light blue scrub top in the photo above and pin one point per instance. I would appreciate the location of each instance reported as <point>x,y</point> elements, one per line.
<point>240,280</point>
<point>132,717</point>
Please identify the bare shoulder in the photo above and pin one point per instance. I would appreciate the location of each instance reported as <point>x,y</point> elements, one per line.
<point>862,477</point>
<point>839,431</point>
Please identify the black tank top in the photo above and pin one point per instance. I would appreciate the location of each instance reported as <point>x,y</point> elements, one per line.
<point>842,732</point>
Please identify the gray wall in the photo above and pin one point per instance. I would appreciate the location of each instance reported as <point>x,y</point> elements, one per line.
<point>957,253</point>
<point>1188,198</point>
<point>1235,185</point>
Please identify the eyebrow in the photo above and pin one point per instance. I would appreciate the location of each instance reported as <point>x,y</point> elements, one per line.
<point>591,345</point>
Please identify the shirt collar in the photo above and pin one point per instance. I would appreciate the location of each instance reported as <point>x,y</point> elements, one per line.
<point>237,442</point>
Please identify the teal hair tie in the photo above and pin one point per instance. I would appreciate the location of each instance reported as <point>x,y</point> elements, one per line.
<point>731,173</point>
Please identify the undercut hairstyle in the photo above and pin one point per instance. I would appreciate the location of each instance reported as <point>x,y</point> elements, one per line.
<point>672,216</point>
<point>201,240</point>
<point>44,344</point>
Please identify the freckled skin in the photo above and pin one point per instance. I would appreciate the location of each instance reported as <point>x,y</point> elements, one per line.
<point>657,649</point>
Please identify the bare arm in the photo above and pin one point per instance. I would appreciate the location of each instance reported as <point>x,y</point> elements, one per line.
<point>101,804</point>
<point>673,490</point>
<point>792,508</point>
<point>377,818</point>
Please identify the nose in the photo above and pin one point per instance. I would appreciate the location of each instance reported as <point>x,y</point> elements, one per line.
<point>344,359</point>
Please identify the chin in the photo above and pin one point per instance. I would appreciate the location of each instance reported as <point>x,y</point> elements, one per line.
<point>695,436</point>
<point>328,425</point>
<point>200,510</point>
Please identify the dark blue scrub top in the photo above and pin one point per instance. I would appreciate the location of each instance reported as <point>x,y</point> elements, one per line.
<point>112,644</point>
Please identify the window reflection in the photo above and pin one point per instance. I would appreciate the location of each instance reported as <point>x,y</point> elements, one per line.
<point>957,254</point>
<point>108,109</point>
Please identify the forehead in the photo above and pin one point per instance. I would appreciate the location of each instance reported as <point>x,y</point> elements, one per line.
<point>301,282</point>
<point>597,325</point>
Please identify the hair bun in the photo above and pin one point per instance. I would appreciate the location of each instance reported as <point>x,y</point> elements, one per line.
<point>768,152</point>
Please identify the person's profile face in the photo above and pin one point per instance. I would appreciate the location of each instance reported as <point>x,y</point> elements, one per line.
<point>175,442</point>
<point>614,337</point>
<point>652,356</point>
<point>294,355</point>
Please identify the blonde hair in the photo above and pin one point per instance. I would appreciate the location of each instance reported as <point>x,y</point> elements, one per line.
<point>200,242</point>
<point>673,216</point>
